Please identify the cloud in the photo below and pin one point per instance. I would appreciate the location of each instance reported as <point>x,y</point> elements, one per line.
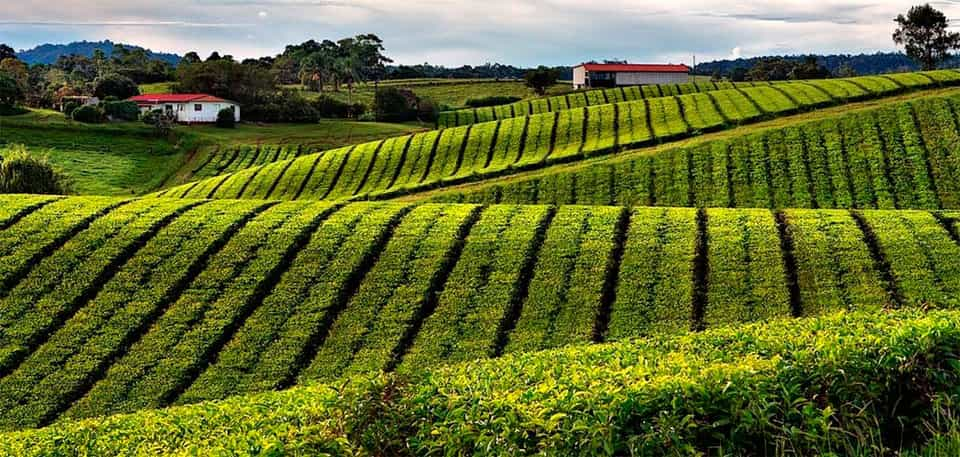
<point>736,53</point>
<point>456,32</point>
<point>120,24</point>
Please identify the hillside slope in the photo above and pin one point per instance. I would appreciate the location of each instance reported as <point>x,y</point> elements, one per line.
<point>422,161</point>
<point>856,384</point>
<point>113,305</point>
<point>797,91</point>
<point>896,155</point>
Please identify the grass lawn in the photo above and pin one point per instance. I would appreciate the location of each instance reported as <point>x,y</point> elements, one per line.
<point>114,159</point>
<point>326,134</point>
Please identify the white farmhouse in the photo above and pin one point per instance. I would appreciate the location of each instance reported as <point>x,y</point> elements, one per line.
<point>188,108</point>
<point>614,75</point>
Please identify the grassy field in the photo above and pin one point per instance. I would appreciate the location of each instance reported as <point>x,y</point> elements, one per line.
<point>129,159</point>
<point>115,159</point>
<point>446,157</point>
<point>157,88</point>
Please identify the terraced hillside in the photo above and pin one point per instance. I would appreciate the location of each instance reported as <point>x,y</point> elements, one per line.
<point>447,157</point>
<point>822,90</point>
<point>578,99</point>
<point>110,305</point>
<point>232,159</point>
<point>827,385</point>
<point>902,155</point>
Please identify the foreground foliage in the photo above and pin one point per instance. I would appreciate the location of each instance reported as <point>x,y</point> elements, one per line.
<point>111,306</point>
<point>858,383</point>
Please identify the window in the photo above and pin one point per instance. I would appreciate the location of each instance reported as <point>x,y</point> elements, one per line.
<point>198,107</point>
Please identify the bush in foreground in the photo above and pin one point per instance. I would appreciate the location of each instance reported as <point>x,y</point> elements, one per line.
<point>25,173</point>
<point>856,383</point>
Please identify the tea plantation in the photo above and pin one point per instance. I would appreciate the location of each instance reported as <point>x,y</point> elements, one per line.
<point>699,269</point>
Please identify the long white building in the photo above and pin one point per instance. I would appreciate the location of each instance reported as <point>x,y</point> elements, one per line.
<point>614,75</point>
<point>187,108</point>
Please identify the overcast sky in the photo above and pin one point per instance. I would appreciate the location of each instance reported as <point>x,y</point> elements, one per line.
<point>455,32</point>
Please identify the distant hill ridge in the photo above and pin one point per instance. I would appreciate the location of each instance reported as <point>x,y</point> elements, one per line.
<point>49,53</point>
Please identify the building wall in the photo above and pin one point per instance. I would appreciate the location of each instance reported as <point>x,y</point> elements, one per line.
<point>579,77</point>
<point>187,113</point>
<point>636,79</point>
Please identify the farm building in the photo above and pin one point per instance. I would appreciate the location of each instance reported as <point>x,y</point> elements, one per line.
<point>614,75</point>
<point>188,108</point>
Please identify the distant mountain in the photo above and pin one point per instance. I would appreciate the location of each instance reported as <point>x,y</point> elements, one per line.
<point>49,53</point>
<point>863,64</point>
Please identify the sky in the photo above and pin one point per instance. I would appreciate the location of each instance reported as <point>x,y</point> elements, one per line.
<point>458,32</point>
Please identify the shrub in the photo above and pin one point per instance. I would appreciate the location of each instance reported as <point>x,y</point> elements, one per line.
<point>87,114</point>
<point>395,105</point>
<point>332,108</point>
<point>226,118</point>
<point>150,117</point>
<point>25,173</point>
<point>70,107</point>
<point>427,110</point>
<point>123,111</point>
<point>281,107</point>
<point>115,85</point>
<point>493,100</point>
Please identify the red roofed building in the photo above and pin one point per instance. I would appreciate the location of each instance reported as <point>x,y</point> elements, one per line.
<point>188,108</point>
<point>617,74</point>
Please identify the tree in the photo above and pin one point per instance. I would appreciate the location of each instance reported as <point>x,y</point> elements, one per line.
<point>846,71</point>
<point>190,58</point>
<point>738,74</point>
<point>10,92</point>
<point>541,79</point>
<point>810,68</point>
<point>115,85</point>
<point>924,35</point>
<point>242,83</point>
<point>6,52</point>
<point>214,56</point>
<point>395,105</point>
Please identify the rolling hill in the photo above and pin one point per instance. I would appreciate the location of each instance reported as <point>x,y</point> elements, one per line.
<point>115,305</point>
<point>750,270</point>
<point>47,54</point>
<point>447,157</point>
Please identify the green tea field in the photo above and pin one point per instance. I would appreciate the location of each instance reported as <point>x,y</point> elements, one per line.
<point>749,269</point>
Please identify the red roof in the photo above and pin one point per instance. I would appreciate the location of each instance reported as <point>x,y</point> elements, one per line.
<point>637,68</point>
<point>153,99</point>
